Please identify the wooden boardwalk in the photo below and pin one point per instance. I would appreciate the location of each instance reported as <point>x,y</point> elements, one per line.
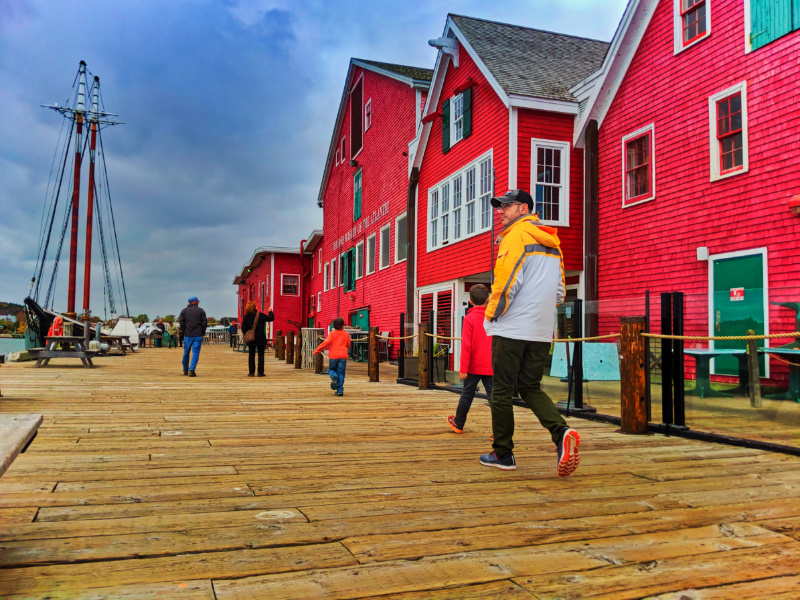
<point>145,484</point>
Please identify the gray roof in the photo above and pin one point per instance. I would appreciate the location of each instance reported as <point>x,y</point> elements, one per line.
<point>532,62</point>
<point>412,72</point>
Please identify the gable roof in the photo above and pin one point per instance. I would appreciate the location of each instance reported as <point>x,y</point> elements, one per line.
<point>259,255</point>
<point>415,77</point>
<point>532,62</point>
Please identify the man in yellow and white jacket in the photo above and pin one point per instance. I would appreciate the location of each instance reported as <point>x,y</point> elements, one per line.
<point>520,317</point>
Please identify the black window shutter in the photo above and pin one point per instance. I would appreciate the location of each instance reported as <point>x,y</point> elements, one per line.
<point>467,104</point>
<point>446,126</point>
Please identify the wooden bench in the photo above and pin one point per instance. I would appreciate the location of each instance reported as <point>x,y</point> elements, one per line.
<point>16,432</point>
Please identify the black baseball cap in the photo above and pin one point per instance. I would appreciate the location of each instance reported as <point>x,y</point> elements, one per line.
<point>512,196</point>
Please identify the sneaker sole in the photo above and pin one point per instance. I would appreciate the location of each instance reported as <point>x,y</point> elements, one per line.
<point>571,457</point>
<point>499,466</point>
<point>454,428</point>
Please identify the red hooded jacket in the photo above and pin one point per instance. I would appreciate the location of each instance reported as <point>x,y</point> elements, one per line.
<point>476,346</point>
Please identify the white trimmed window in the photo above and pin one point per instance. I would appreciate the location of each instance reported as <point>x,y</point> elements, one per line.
<point>359,260</point>
<point>371,254</point>
<point>325,279</point>
<point>456,119</point>
<point>319,301</point>
<point>333,273</point>
<point>400,238</point>
<point>550,177</point>
<point>343,151</point>
<point>692,22</point>
<point>385,252</point>
<point>459,207</point>
<point>290,285</point>
<point>319,261</point>
<point>368,114</point>
<point>638,166</point>
<point>337,156</point>
<point>727,118</point>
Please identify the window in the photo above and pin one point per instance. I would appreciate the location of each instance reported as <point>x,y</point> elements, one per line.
<point>337,156</point>
<point>459,206</point>
<point>319,301</point>
<point>359,260</point>
<point>263,294</point>
<point>457,118</point>
<point>356,118</point>
<point>385,254</point>
<point>368,114</point>
<point>400,238</point>
<point>343,151</point>
<point>371,254</point>
<point>290,285</point>
<point>325,279</point>
<point>319,261</point>
<point>312,307</point>
<point>333,273</point>
<point>727,115</point>
<point>550,177</point>
<point>638,162</point>
<point>768,20</point>
<point>692,22</point>
<point>357,196</point>
<point>349,270</point>
<point>341,269</point>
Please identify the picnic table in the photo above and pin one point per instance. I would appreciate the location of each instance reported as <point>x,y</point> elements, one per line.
<point>72,346</point>
<point>791,355</point>
<point>359,348</point>
<point>16,432</point>
<point>702,358</point>
<point>120,342</point>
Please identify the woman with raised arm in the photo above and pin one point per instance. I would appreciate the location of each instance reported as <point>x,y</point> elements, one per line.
<point>255,322</point>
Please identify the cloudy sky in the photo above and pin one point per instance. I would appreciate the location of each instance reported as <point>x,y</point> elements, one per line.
<point>228,108</point>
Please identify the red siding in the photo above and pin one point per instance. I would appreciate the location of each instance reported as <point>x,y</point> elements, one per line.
<point>652,245</point>
<point>489,131</point>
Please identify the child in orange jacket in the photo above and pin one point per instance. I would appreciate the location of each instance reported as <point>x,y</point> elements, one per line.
<point>338,343</point>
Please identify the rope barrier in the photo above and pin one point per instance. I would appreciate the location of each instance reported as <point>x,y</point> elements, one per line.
<point>441,337</point>
<point>783,360</point>
<point>388,337</point>
<point>701,338</point>
<point>589,339</point>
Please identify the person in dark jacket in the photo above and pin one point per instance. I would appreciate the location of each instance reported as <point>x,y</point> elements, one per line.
<point>233,332</point>
<point>260,342</point>
<point>193,327</point>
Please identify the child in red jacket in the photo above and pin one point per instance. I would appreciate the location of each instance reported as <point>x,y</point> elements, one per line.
<point>476,356</point>
<point>337,343</point>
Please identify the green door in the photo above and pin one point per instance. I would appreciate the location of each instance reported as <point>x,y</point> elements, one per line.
<point>738,306</point>
<point>361,319</point>
<point>311,322</point>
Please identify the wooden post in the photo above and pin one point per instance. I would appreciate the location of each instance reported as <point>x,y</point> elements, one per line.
<point>372,369</point>
<point>298,355</point>
<point>318,363</point>
<point>279,345</point>
<point>290,348</point>
<point>424,357</point>
<point>752,371</point>
<point>632,380</point>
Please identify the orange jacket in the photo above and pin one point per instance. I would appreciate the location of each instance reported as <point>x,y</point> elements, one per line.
<point>337,342</point>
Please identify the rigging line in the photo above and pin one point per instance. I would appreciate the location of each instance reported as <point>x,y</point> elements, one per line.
<point>41,264</point>
<point>104,254</point>
<point>50,298</point>
<point>48,192</point>
<point>114,226</point>
<point>115,263</point>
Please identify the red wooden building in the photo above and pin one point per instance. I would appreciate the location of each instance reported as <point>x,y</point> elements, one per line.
<point>500,115</point>
<point>358,260</point>
<point>273,277</point>
<point>694,119</point>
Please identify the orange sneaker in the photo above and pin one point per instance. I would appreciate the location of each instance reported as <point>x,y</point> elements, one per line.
<point>451,420</point>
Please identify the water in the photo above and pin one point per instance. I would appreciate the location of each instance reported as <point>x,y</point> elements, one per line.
<point>11,345</point>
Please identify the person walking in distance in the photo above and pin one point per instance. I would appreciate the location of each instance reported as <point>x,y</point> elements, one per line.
<point>476,356</point>
<point>233,334</point>
<point>172,331</point>
<point>338,343</point>
<point>193,325</point>
<point>257,322</point>
<point>528,285</point>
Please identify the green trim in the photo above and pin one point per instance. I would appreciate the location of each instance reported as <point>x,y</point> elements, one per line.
<point>446,126</point>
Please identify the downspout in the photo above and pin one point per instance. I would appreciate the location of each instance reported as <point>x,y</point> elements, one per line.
<point>591,227</point>
<point>300,286</point>
<point>411,246</point>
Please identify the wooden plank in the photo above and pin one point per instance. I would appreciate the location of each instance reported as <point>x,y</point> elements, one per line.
<point>179,590</point>
<point>775,588</point>
<point>15,432</point>
<point>14,516</point>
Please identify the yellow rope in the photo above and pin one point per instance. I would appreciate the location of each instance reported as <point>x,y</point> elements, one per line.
<point>783,360</point>
<point>588,339</point>
<point>702,338</point>
<point>386,337</point>
<point>441,337</point>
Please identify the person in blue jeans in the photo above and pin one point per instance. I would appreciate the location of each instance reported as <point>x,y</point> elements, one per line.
<point>193,325</point>
<point>337,343</point>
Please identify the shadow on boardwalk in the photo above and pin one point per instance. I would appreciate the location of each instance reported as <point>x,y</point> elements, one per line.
<point>143,483</point>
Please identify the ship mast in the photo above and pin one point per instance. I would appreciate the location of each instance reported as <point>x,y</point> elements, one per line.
<point>87,275</point>
<point>76,191</point>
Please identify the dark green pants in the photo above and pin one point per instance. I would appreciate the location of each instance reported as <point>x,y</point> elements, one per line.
<point>518,365</point>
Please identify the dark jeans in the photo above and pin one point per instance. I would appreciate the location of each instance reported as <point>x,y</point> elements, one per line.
<point>336,368</point>
<point>233,340</point>
<point>251,359</point>
<point>468,394</point>
<point>173,341</point>
<point>519,364</point>
<point>180,340</point>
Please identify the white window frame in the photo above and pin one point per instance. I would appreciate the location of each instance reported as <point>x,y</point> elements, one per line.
<point>325,285</point>
<point>359,260</point>
<point>333,274</point>
<point>651,129</point>
<point>319,301</point>
<point>368,113</point>
<point>319,261</point>
<point>454,137</point>
<point>343,154</point>
<point>381,267</point>
<point>341,270</point>
<point>448,181</point>
<point>283,277</point>
<point>739,88</point>
<point>565,149</point>
<point>678,26</point>
<point>336,158</point>
<point>371,263</point>
<point>397,238</point>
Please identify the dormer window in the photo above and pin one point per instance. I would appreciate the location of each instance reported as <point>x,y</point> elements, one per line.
<point>456,118</point>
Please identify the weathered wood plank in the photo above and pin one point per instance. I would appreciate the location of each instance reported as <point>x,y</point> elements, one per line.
<point>179,590</point>
<point>15,432</point>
